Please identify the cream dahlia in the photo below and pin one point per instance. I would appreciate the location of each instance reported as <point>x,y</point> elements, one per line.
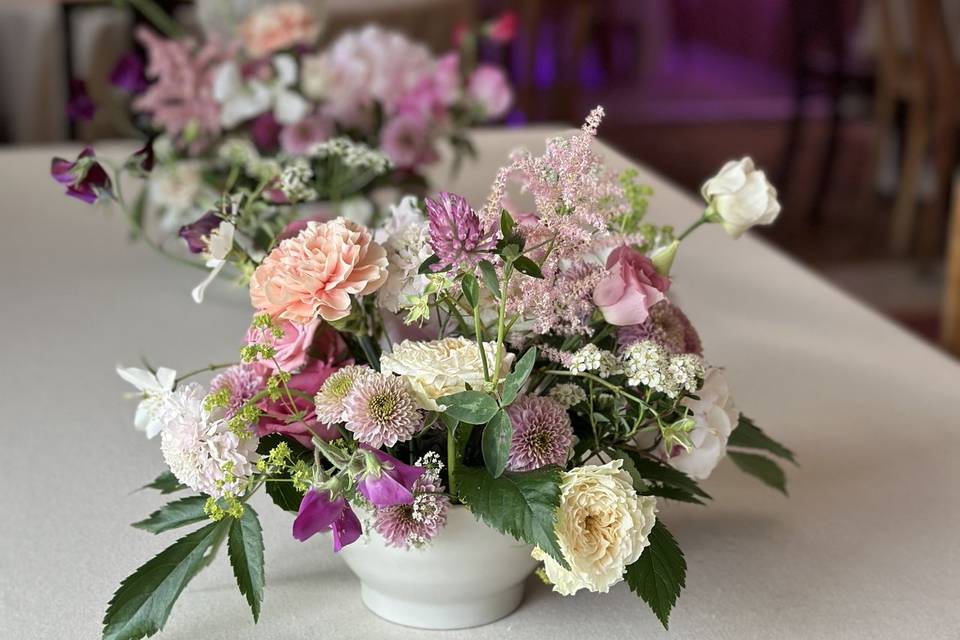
<point>438,368</point>
<point>602,527</point>
<point>316,272</point>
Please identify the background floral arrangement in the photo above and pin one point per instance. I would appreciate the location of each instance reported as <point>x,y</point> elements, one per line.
<point>521,358</point>
<point>311,131</point>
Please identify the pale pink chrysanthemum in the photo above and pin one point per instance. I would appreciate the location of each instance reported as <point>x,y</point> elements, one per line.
<point>542,433</point>
<point>243,381</point>
<point>666,325</point>
<point>331,398</point>
<point>412,525</point>
<point>457,236</point>
<point>381,411</point>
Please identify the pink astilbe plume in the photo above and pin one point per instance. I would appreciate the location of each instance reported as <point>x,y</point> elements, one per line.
<point>181,95</point>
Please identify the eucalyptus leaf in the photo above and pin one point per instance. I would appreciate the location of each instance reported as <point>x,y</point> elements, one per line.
<point>490,278</point>
<point>525,265</point>
<point>495,443</point>
<point>516,378</point>
<point>472,407</point>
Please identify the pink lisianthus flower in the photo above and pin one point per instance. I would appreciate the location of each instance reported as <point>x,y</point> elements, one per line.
<point>277,415</point>
<point>279,26</point>
<point>318,512</point>
<point>297,138</point>
<point>631,286</point>
<point>407,139</point>
<point>488,87</point>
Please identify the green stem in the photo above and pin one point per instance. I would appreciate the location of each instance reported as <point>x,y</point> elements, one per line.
<point>693,227</point>
<point>478,330</point>
<point>616,389</point>
<point>501,313</point>
<point>452,461</point>
<point>211,367</point>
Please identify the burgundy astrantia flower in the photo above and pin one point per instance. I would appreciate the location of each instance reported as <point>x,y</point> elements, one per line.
<point>84,178</point>
<point>196,233</point>
<point>456,234</point>
<point>79,107</point>
<point>319,513</point>
<point>129,74</point>
<point>390,482</point>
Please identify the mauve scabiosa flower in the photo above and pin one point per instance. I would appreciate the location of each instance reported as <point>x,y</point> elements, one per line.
<point>542,433</point>
<point>406,525</point>
<point>456,235</point>
<point>380,410</point>
<point>243,381</point>
<point>330,398</point>
<point>316,272</point>
<point>666,325</point>
<point>84,178</point>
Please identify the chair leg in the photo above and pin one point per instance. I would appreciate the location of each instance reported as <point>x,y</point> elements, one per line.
<point>950,320</point>
<point>905,207</point>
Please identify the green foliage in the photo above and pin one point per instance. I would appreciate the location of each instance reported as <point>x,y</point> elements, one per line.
<point>490,278</point>
<point>658,473</point>
<point>141,605</point>
<point>522,505</point>
<point>749,436</point>
<point>495,443</point>
<point>166,482</point>
<point>426,265</point>
<point>284,495</point>
<point>472,407</point>
<point>471,289</point>
<point>659,574</point>
<point>525,265</point>
<point>762,468</point>
<point>516,378</point>
<point>178,513</point>
<point>507,224</point>
<point>671,493</point>
<point>245,548</point>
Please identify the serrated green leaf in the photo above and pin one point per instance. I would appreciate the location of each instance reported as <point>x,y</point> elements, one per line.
<point>762,468</point>
<point>284,495</point>
<point>471,289</point>
<point>472,407</point>
<point>495,443</point>
<point>659,574</point>
<point>525,265</point>
<point>516,378</point>
<point>178,513</point>
<point>749,436</point>
<point>655,471</point>
<point>639,485</point>
<point>671,493</point>
<point>520,504</point>
<point>141,605</point>
<point>245,548</point>
<point>490,278</point>
<point>166,482</point>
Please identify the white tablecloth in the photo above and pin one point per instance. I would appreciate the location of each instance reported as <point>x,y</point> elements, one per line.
<point>866,546</point>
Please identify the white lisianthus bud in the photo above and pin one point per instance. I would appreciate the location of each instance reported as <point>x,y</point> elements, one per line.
<point>739,197</point>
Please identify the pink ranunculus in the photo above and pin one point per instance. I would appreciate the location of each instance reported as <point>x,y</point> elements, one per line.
<point>489,88</point>
<point>297,138</point>
<point>317,272</point>
<point>631,286</point>
<point>279,26</point>
<point>278,416</point>
<point>408,141</point>
<point>294,347</point>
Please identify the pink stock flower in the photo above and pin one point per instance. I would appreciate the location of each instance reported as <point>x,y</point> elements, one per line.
<point>181,98</point>
<point>279,26</point>
<point>297,138</point>
<point>631,286</point>
<point>300,421</point>
<point>489,88</point>
<point>316,272</point>
<point>407,139</point>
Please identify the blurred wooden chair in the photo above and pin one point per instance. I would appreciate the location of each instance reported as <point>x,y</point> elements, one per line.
<point>950,321</point>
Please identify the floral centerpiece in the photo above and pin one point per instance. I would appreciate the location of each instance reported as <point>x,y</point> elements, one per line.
<point>269,112</point>
<point>521,362</point>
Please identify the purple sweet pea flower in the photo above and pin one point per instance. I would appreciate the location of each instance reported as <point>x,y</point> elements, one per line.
<point>143,159</point>
<point>265,132</point>
<point>128,74</point>
<point>319,513</point>
<point>85,179</point>
<point>196,233</point>
<point>390,484</point>
<point>79,107</point>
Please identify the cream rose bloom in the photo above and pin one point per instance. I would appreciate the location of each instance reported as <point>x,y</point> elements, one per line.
<point>602,527</point>
<point>741,197</point>
<point>438,368</point>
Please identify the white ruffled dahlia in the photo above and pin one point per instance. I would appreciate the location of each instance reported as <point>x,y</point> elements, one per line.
<point>602,527</point>
<point>200,449</point>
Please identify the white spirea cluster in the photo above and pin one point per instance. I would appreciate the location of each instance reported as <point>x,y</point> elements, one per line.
<point>405,235</point>
<point>602,527</point>
<point>592,358</point>
<point>354,155</point>
<point>649,364</point>
<point>295,181</point>
<point>568,394</point>
<point>437,368</point>
<point>199,447</point>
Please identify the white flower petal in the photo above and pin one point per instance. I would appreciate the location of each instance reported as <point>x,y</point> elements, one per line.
<point>289,107</point>
<point>140,378</point>
<point>199,290</point>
